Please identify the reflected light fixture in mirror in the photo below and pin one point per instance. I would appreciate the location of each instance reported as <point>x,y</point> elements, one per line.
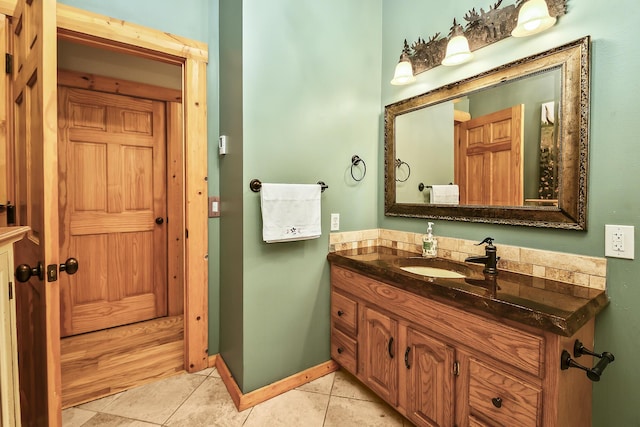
<point>533,18</point>
<point>458,47</point>
<point>404,70</point>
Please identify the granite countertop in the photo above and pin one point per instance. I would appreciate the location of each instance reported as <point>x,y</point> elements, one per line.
<point>557,307</point>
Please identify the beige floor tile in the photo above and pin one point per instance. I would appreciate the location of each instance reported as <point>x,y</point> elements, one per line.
<point>99,404</point>
<point>205,372</point>
<point>346,385</point>
<point>293,408</point>
<point>155,402</point>
<point>107,420</point>
<point>74,417</point>
<point>209,405</point>
<point>321,385</point>
<point>343,412</point>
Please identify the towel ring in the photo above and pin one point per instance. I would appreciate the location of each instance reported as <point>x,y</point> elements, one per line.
<point>400,163</point>
<point>355,161</point>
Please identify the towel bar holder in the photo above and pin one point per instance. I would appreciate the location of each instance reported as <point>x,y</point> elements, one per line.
<point>421,186</point>
<point>255,185</point>
<point>594,373</point>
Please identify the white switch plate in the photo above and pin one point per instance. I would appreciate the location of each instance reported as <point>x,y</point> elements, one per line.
<point>619,241</point>
<point>335,221</point>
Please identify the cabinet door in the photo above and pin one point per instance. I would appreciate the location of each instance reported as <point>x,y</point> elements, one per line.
<point>379,351</point>
<point>429,363</point>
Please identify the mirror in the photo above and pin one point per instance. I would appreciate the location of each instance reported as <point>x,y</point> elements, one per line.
<point>508,146</point>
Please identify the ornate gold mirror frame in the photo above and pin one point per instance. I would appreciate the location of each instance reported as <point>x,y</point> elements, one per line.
<point>573,130</point>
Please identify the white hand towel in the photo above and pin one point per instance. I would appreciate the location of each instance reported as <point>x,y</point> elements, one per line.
<point>445,194</point>
<point>290,212</point>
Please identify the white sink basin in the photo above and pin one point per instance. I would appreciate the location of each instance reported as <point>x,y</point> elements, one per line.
<point>433,272</point>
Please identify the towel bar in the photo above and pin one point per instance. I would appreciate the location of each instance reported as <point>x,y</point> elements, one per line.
<point>255,185</point>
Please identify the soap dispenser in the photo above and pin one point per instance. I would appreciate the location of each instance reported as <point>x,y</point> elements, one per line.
<point>429,243</point>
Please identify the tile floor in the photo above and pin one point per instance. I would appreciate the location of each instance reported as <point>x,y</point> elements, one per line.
<point>201,399</point>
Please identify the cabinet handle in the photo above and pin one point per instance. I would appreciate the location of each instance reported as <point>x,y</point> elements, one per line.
<point>406,358</point>
<point>497,402</point>
<point>340,350</point>
<point>340,313</point>
<point>390,347</point>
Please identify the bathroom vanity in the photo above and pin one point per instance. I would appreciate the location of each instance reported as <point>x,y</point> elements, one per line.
<point>474,351</point>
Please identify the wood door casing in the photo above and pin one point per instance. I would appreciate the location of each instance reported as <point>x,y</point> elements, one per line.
<point>112,171</point>
<point>489,159</point>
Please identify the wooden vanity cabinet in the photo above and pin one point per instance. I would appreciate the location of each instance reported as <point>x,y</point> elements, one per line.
<point>441,366</point>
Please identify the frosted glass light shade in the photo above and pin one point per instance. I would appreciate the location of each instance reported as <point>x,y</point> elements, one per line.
<point>533,18</point>
<point>457,51</point>
<point>403,74</point>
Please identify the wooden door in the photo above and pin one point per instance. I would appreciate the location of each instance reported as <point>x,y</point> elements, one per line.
<point>379,354</point>
<point>489,159</point>
<point>429,363</point>
<point>36,181</point>
<point>112,173</point>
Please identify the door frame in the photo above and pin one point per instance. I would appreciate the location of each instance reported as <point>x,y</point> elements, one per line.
<point>96,30</point>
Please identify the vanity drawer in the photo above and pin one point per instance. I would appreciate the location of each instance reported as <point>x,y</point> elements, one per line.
<point>344,350</point>
<point>344,313</point>
<point>502,399</point>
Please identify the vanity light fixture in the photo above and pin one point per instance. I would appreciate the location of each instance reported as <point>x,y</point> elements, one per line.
<point>533,18</point>
<point>404,70</point>
<point>458,47</point>
<point>482,28</point>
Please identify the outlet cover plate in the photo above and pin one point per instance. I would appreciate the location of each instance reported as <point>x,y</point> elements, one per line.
<point>619,241</point>
<point>335,222</point>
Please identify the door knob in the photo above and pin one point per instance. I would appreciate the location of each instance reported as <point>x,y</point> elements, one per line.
<point>159,220</point>
<point>24,272</point>
<point>70,266</point>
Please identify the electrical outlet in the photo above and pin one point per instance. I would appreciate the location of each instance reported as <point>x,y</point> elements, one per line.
<point>619,241</point>
<point>335,221</point>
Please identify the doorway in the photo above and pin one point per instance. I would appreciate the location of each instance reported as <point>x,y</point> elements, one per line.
<point>39,313</point>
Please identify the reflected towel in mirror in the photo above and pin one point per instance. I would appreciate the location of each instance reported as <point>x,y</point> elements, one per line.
<point>445,194</point>
<point>290,212</point>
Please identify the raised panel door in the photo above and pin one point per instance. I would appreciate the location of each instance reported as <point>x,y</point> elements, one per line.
<point>429,363</point>
<point>379,353</point>
<point>112,171</point>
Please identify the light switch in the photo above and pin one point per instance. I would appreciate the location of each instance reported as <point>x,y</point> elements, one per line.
<point>214,207</point>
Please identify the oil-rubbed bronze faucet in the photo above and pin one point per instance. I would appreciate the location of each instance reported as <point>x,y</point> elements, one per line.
<point>490,260</point>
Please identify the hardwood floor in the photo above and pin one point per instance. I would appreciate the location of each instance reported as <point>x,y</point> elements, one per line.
<point>102,363</point>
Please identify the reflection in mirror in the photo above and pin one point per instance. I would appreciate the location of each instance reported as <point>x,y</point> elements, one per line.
<point>426,136</point>
<point>507,146</point>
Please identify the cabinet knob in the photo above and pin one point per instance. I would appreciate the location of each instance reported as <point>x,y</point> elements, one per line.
<point>340,350</point>
<point>340,313</point>
<point>497,402</point>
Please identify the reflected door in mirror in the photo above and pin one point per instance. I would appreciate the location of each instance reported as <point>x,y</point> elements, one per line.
<point>489,159</point>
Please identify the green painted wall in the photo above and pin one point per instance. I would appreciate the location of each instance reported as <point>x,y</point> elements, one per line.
<point>309,76</point>
<point>231,187</point>
<point>198,20</point>
<point>614,173</point>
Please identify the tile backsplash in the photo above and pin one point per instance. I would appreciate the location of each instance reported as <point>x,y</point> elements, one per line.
<point>570,268</point>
